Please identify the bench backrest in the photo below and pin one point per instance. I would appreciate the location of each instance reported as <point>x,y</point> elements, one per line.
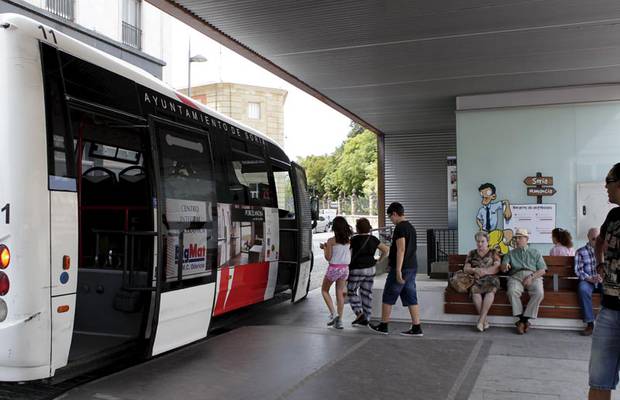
<point>558,267</point>
<point>561,265</point>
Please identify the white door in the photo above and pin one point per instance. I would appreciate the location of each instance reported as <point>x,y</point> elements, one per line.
<point>187,234</point>
<point>304,233</point>
<point>64,272</point>
<point>592,207</point>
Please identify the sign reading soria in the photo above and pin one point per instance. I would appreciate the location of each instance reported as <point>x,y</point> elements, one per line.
<point>541,186</point>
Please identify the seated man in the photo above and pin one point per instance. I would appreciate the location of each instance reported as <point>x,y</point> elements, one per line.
<point>589,280</point>
<point>526,267</point>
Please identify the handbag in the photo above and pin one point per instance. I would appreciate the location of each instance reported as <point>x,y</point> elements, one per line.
<point>461,281</point>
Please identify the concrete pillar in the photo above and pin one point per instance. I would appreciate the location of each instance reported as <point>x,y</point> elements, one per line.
<point>354,203</point>
<point>340,203</point>
<point>372,203</point>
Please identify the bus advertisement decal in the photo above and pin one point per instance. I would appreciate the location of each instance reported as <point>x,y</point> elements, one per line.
<point>243,237</point>
<point>180,210</point>
<point>194,253</point>
<point>240,286</point>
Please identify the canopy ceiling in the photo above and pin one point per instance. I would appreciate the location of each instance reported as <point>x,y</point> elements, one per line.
<point>396,66</point>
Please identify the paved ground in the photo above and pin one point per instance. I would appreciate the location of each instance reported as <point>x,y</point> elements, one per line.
<point>320,264</point>
<point>286,352</point>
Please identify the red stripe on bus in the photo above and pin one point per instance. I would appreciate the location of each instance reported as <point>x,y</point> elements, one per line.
<point>222,291</point>
<point>248,287</point>
<point>187,101</point>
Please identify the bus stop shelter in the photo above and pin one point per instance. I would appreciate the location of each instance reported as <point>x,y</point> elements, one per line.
<point>399,68</point>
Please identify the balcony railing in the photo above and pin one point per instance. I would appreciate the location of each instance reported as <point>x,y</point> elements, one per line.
<point>132,36</point>
<point>440,244</point>
<point>62,8</point>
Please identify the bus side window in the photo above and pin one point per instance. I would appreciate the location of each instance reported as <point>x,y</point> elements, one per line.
<point>284,190</point>
<point>59,141</point>
<point>249,175</point>
<point>220,162</point>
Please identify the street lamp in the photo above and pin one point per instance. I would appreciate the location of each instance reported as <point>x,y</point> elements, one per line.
<point>190,60</point>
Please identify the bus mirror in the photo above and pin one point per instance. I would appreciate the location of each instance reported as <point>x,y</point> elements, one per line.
<point>314,208</point>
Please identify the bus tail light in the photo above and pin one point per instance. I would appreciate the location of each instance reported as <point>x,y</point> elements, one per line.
<point>4,283</point>
<point>5,256</point>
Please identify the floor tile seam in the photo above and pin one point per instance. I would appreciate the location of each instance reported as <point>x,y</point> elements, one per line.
<point>491,354</point>
<point>357,332</point>
<point>520,392</point>
<point>546,381</point>
<point>473,355</point>
<point>323,367</point>
<point>490,390</point>
<point>544,384</point>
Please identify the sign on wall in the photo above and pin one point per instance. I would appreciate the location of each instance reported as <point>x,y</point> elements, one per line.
<point>452,193</point>
<point>541,186</point>
<point>538,219</point>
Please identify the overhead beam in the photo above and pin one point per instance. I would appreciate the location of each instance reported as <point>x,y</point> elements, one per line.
<point>192,20</point>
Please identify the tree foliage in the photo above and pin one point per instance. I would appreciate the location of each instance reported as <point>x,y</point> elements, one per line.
<point>351,167</point>
<point>317,167</point>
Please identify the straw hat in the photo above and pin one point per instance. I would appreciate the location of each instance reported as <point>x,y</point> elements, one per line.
<point>522,232</point>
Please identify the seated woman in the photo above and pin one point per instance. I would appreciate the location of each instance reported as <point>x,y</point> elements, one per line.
<point>483,263</point>
<point>563,243</point>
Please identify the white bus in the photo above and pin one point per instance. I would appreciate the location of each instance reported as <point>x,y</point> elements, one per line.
<point>130,214</point>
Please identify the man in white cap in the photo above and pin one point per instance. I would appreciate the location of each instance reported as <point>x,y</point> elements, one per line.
<point>526,267</point>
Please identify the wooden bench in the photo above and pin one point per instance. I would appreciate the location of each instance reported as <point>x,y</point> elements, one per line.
<point>560,283</point>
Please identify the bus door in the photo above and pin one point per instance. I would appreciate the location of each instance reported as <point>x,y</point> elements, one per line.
<point>187,234</point>
<point>304,233</point>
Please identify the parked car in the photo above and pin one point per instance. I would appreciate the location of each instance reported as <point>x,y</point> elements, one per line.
<point>322,225</point>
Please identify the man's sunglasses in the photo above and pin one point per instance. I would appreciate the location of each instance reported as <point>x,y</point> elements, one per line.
<point>610,180</point>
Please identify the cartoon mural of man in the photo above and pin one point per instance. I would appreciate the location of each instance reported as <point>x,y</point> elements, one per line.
<point>491,216</point>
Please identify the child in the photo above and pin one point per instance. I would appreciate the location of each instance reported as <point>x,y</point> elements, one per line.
<point>338,252</point>
<point>563,243</point>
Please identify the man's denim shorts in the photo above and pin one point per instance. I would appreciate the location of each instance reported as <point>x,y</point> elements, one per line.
<point>605,353</point>
<point>406,291</point>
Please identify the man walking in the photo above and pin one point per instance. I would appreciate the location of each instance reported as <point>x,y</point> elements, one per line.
<point>400,281</point>
<point>605,352</point>
<point>589,280</point>
<point>527,268</point>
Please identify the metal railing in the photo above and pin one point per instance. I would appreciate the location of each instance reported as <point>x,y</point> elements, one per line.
<point>440,244</point>
<point>62,8</point>
<point>132,35</point>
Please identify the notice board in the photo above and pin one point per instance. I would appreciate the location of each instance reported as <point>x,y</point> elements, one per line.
<point>538,219</point>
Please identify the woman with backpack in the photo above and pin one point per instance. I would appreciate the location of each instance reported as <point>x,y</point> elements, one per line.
<point>362,271</point>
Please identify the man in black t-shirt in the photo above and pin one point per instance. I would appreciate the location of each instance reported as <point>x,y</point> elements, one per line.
<point>605,353</point>
<point>400,281</point>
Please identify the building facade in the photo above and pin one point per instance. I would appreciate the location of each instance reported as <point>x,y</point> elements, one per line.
<point>261,108</point>
<point>112,26</point>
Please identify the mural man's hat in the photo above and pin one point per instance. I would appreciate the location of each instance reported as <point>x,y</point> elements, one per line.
<point>522,232</point>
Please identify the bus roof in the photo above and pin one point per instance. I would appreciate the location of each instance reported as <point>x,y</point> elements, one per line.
<point>90,54</point>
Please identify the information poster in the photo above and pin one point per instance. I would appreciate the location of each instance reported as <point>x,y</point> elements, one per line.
<point>538,219</point>
<point>452,193</point>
